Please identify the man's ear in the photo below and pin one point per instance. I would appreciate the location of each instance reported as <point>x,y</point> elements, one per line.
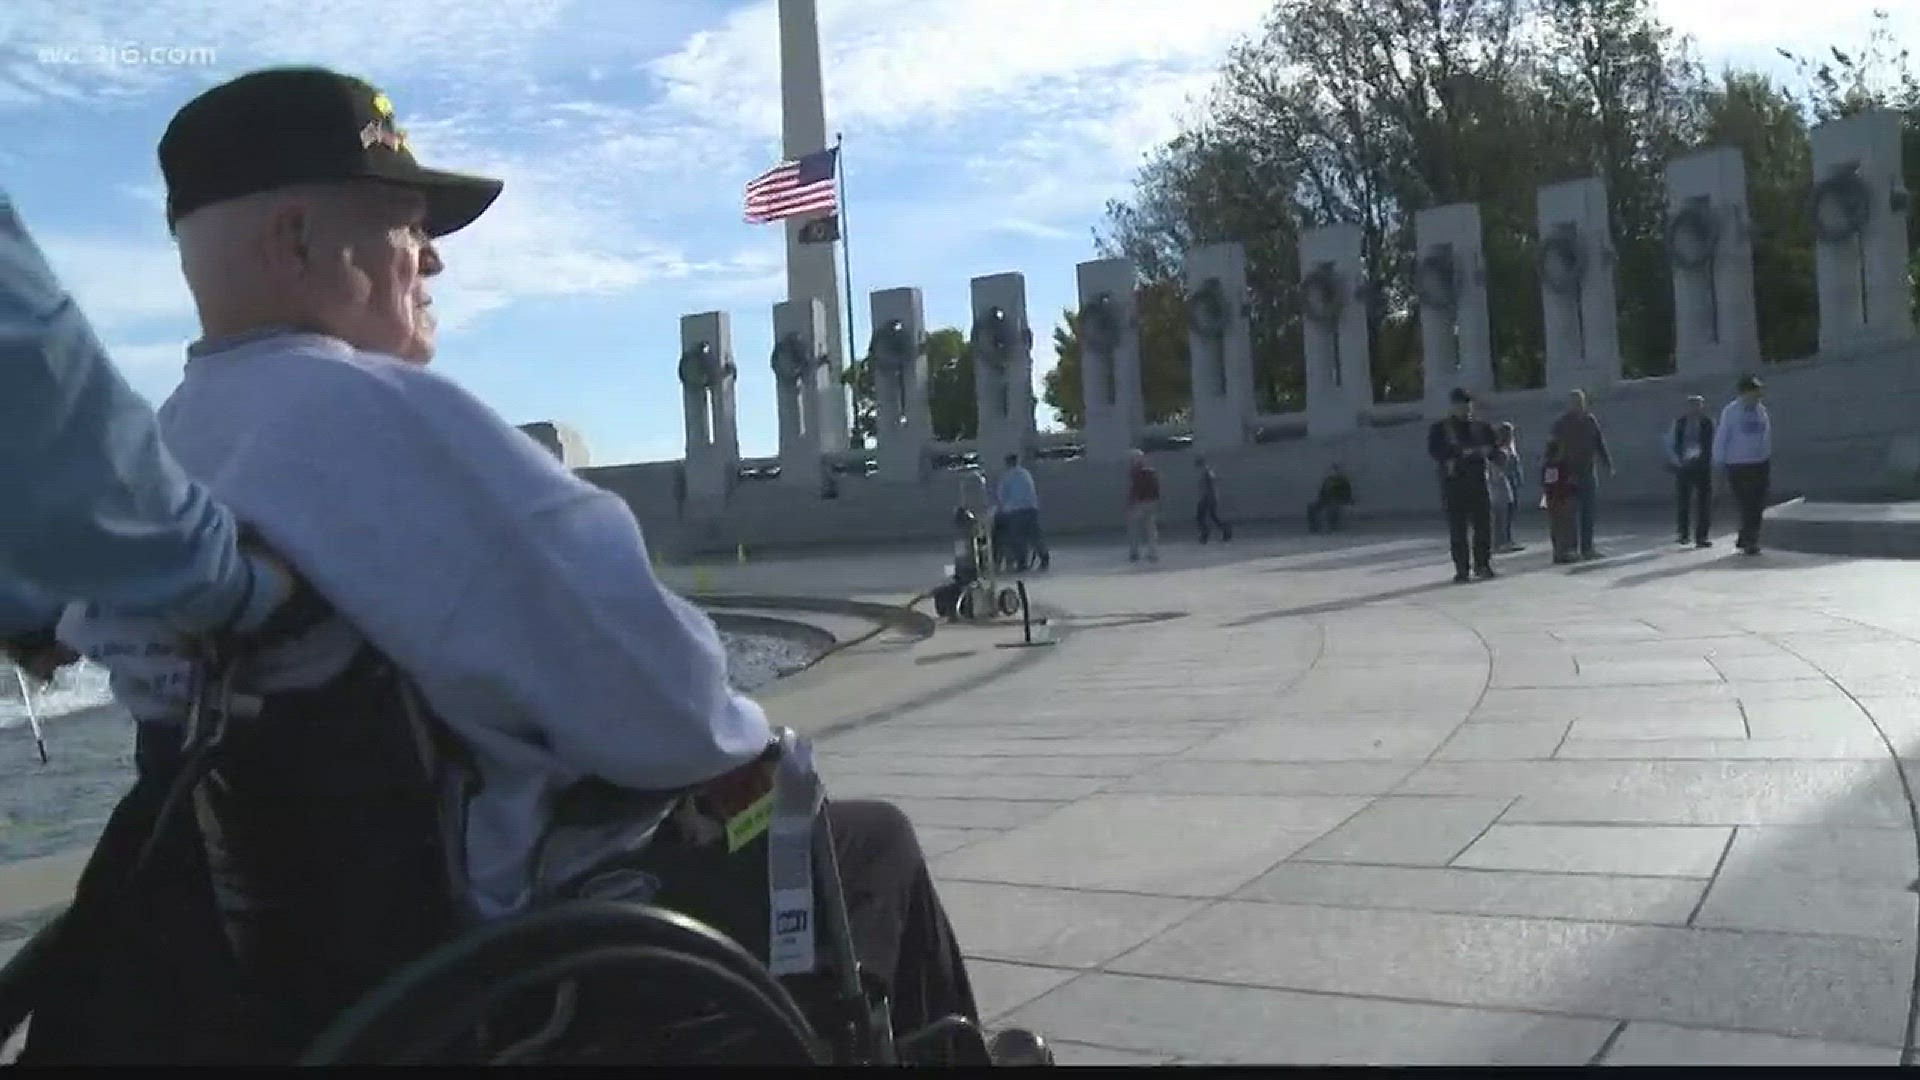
<point>287,240</point>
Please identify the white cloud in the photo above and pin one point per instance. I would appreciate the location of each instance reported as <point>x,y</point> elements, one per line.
<point>894,63</point>
<point>1791,24</point>
<point>1061,96</point>
<point>152,362</point>
<point>197,38</point>
<point>120,282</point>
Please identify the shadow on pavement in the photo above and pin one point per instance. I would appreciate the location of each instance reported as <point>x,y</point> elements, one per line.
<point>1734,562</point>
<point>1117,619</point>
<point>1327,607</point>
<point>1362,559</point>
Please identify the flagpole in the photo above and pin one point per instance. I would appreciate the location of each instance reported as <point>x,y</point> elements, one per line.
<point>846,255</point>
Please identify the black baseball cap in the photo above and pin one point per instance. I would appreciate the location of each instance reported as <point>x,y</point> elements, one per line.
<point>1459,396</point>
<point>280,126</point>
<point>1749,382</point>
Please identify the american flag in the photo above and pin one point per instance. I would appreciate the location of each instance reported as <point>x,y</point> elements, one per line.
<point>792,188</point>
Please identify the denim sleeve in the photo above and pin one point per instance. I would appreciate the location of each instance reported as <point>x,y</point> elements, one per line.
<point>92,507</point>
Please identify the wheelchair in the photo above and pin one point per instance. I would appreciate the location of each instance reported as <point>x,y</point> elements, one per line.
<point>606,967</point>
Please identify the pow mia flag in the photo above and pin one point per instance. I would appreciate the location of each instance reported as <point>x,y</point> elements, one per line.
<point>821,230</point>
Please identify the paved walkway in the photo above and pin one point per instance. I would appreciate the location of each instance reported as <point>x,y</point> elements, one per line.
<point>1304,800</point>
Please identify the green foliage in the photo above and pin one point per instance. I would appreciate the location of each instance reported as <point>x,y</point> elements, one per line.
<point>950,397</point>
<point>1165,361</point>
<point>1367,111</point>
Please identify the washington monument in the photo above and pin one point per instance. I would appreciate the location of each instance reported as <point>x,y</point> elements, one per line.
<point>811,271</point>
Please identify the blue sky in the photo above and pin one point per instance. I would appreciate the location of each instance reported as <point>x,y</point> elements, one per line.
<point>982,136</point>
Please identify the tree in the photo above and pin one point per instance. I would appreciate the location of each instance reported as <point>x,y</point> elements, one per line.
<point>1366,111</point>
<point>950,394</point>
<point>1165,359</point>
<point>1748,112</point>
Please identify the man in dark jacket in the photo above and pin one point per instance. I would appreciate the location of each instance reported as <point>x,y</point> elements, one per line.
<point>1208,512</point>
<point>1461,445</point>
<point>1143,507</point>
<point>1690,456</point>
<point>1335,495</point>
<point>1580,438</point>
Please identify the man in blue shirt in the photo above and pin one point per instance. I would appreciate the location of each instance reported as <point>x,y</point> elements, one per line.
<point>1019,502</point>
<point>1743,446</point>
<point>92,507</point>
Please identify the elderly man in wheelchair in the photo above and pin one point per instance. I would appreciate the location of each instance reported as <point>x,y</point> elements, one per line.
<point>480,791</point>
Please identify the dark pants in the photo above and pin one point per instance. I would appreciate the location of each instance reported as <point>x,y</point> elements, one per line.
<point>1468,505</point>
<point>1007,549</point>
<point>1209,511</point>
<point>1749,486</point>
<point>1693,498</point>
<point>900,931</point>
<point>1585,497</point>
<point>157,748</point>
<point>1562,530</point>
<point>1322,514</point>
<point>1023,535</point>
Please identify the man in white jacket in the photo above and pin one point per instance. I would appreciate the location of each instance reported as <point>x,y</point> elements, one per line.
<point>1743,446</point>
<point>518,598</point>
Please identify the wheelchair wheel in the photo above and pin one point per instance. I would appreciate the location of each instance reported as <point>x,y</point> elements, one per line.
<point>584,982</point>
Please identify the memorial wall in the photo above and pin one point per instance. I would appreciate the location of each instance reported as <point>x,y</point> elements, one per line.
<point>1835,413</point>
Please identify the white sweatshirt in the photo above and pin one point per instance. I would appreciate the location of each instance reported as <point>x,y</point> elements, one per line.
<point>1745,434</point>
<point>518,596</point>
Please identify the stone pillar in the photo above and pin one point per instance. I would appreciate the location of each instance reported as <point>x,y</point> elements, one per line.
<point>1456,339</point>
<point>1576,287</point>
<point>1333,297</point>
<point>801,379</point>
<point>1860,219</point>
<point>706,390</point>
<point>1221,344</point>
<point>1109,359</point>
<point>1001,340</point>
<point>1711,246</point>
<point>903,425</point>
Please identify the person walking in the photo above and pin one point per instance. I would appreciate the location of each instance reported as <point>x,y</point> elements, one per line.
<point>1462,446</point>
<point>1503,486</point>
<point>1585,447</point>
<point>1143,508</point>
<point>1019,500</point>
<point>1208,512</point>
<point>1335,495</point>
<point>1690,457</point>
<point>1743,446</point>
<point>1557,494</point>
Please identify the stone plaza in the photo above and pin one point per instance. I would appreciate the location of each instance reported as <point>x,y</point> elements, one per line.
<point>1300,800</point>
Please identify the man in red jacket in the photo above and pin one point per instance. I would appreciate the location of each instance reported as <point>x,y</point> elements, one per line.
<point>1143,508</point>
